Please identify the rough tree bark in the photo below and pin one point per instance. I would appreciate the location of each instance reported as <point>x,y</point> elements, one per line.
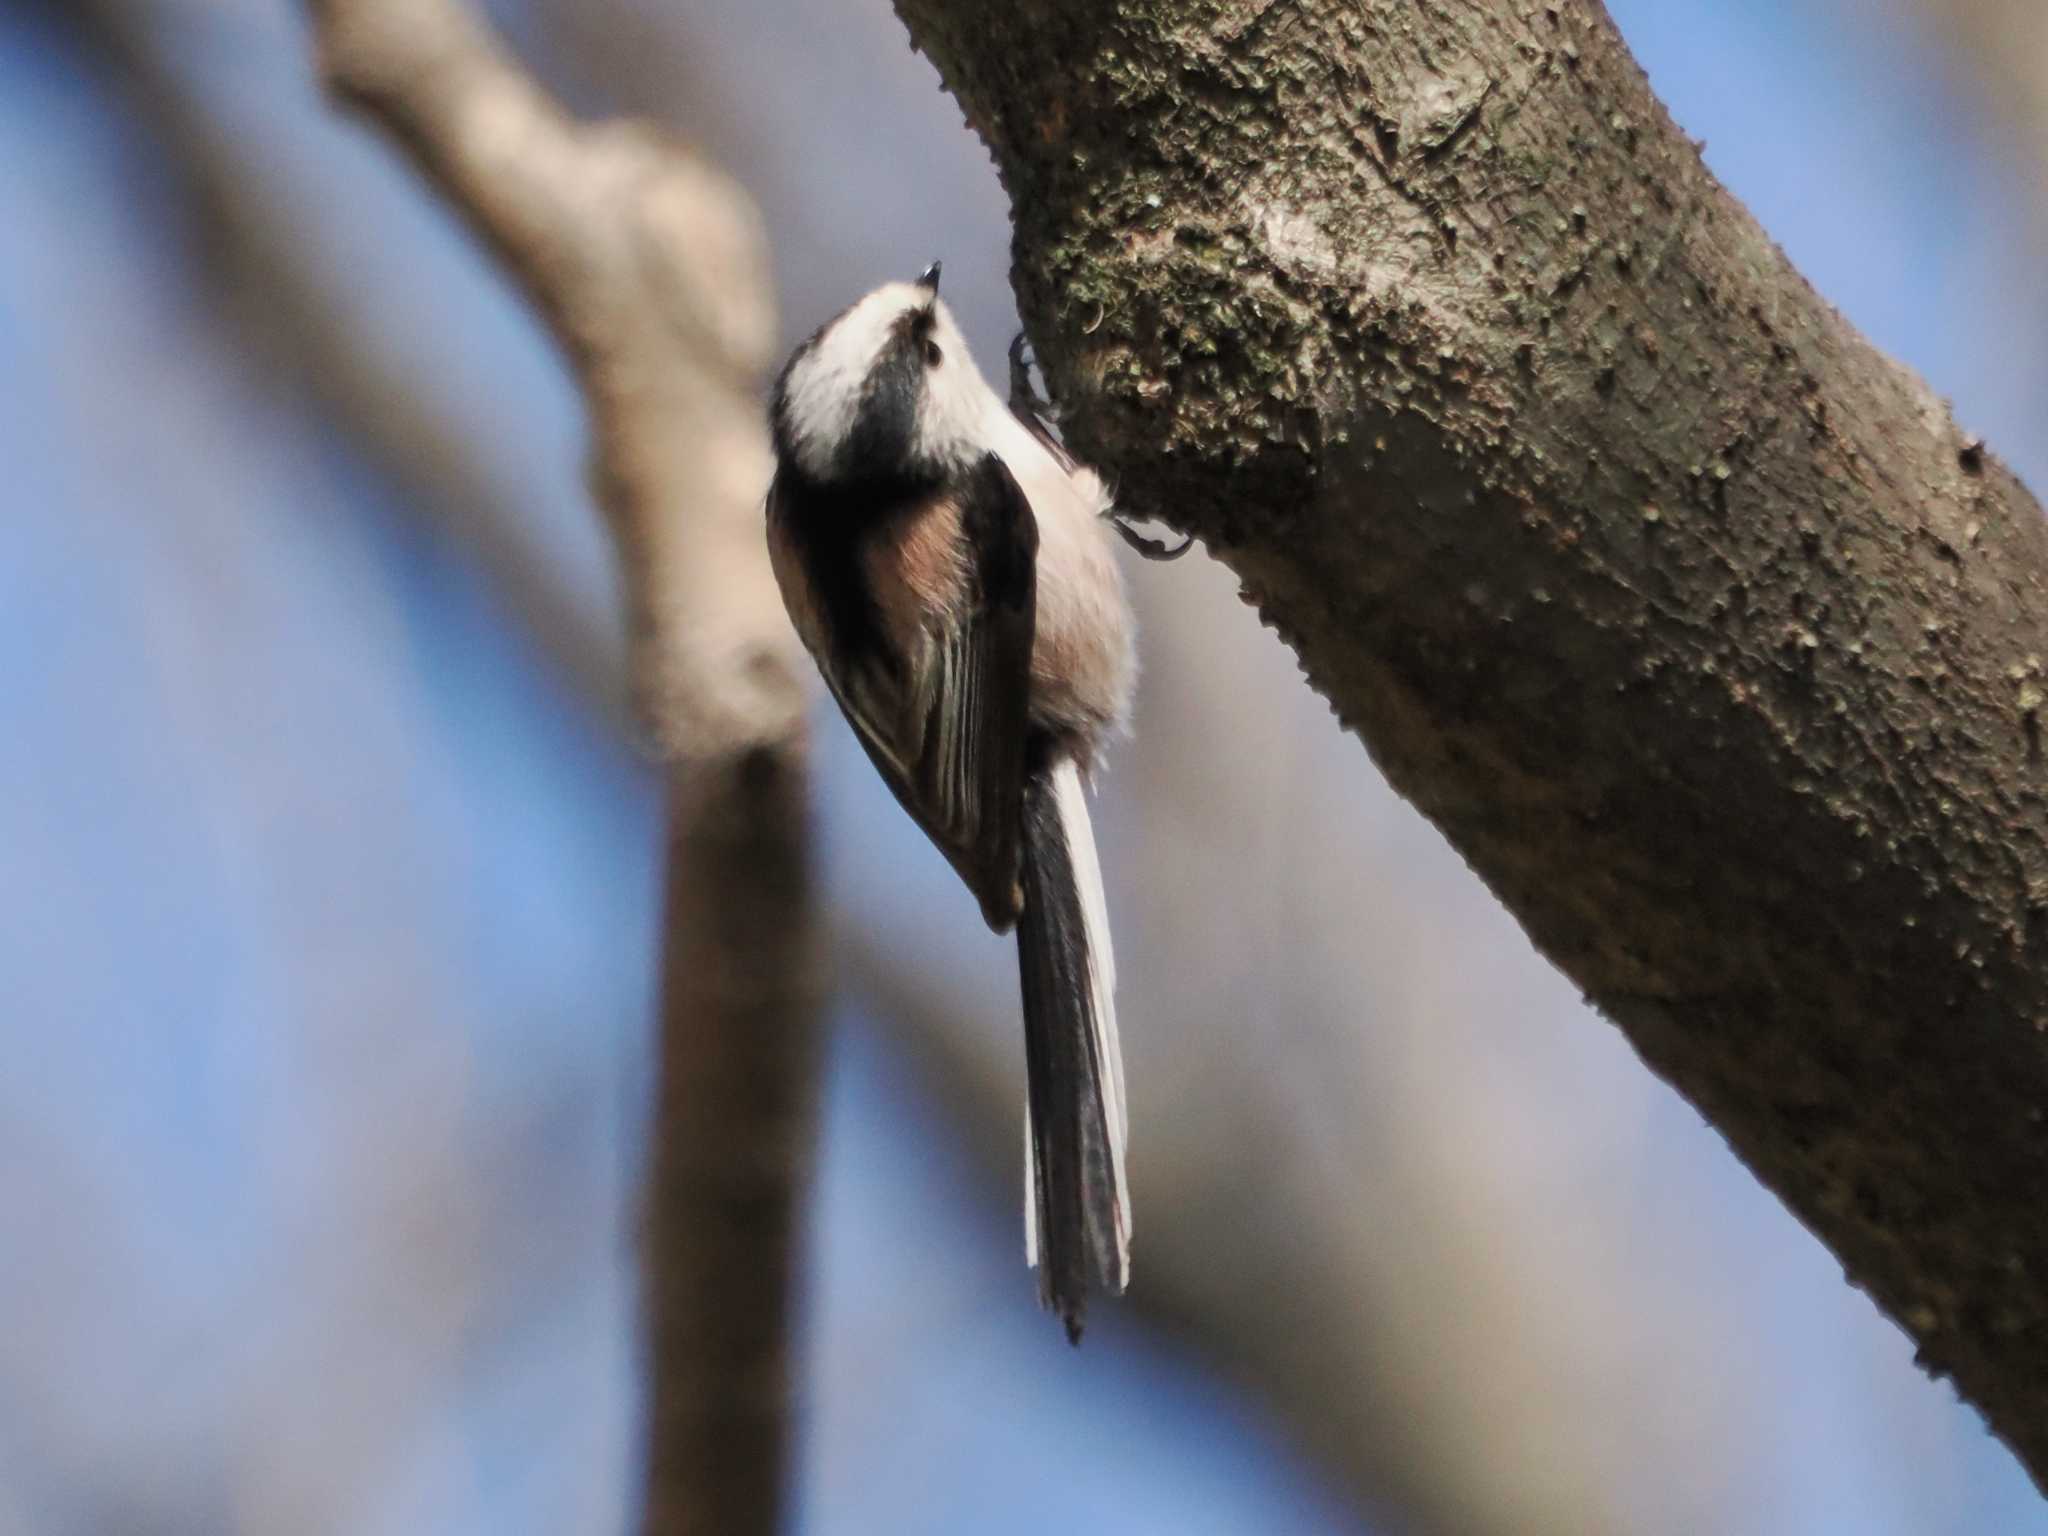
<point>1699,627</point>
<point>649,268</point>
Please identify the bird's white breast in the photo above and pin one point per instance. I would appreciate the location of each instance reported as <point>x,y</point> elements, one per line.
<point>1084,661</point>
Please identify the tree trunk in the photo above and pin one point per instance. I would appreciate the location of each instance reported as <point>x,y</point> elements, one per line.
<point>1696,624</point>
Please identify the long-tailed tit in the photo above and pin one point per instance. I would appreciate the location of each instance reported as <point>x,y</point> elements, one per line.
<point>948,564</point>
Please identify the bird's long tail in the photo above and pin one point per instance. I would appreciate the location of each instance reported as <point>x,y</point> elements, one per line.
<point>1077,1213</point>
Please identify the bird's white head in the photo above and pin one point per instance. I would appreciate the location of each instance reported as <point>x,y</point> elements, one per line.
<point>886,390</point>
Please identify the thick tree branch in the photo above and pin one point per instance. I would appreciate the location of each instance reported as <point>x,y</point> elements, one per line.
<point>649,267</point>
<point>1696,624</point>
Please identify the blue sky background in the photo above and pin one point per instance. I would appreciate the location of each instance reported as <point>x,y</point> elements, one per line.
<point>327,897</point>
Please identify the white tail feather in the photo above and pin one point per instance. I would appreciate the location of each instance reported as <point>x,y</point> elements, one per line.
<point>1072,801</point>
<point>1030,1191</point>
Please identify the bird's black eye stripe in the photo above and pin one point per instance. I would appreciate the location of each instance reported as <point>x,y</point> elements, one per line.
<point>915,328</point>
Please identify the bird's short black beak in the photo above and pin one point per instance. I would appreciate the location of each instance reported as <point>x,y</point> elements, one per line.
<point>929,277</point>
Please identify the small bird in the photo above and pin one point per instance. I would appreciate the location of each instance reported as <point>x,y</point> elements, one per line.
<point>948,565</point>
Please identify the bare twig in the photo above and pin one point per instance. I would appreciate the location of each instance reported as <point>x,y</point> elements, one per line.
<point>648,266</point>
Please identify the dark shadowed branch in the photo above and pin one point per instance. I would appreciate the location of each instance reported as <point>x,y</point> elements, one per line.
<point>648,266</point>
<point>1701,628</point>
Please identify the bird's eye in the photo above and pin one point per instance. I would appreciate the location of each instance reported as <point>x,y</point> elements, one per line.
<point>932,355</point>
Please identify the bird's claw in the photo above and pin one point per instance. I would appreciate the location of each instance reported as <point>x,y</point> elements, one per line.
<point>1024,398</point>
<point>1023,395</point>
<point>1150,548</point>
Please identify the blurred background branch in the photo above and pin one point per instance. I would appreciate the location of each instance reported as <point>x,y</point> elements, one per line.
<point>2001,48</point>
<point>651,271</point>
<point>286,299</point>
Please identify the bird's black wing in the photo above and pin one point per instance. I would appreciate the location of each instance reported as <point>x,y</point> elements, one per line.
<point>946,722</point>
<point>976,692</point>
